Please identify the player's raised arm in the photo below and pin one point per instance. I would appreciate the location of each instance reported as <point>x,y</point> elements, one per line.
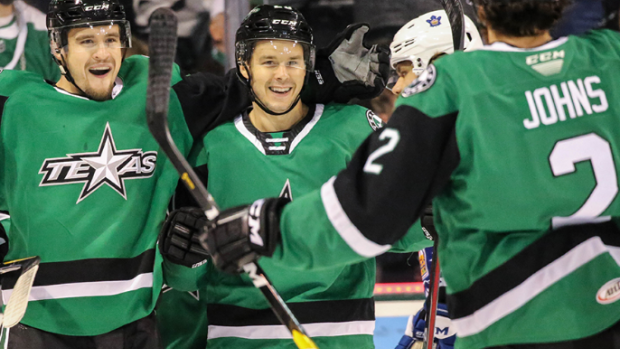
<point>371,204</point>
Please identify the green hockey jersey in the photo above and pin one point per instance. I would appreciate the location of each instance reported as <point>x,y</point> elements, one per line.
<point>87,188</point>
<point>521,151</point>
<point>24,44</point>
<point>335,305</point>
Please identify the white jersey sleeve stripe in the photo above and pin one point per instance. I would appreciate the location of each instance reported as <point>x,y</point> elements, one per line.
<point>343,225</point>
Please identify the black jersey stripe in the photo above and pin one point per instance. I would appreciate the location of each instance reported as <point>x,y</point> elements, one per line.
<point>3,100</point>
<point>306,312</point>
<point>515,271</point>
<point>88,270</point>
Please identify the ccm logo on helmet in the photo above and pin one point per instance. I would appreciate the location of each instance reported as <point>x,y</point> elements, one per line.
<point>97,7</point>
<point>284,21</point>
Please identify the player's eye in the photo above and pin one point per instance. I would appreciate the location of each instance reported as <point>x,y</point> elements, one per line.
<point>87,42</point>
<point>269,64</point>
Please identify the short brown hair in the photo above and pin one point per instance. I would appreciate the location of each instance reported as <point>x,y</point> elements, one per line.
<point>522,17</point>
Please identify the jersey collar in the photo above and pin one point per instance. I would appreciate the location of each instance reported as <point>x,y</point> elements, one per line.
<point>285,144</point>
<point>118,87</point>
<point>502,46</point>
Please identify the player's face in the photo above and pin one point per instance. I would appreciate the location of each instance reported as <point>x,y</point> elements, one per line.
<point>94,58</point>
<point>405,76</point>
<point>278,73</point>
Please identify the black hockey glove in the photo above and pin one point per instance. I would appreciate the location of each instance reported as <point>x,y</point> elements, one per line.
<point>242,234</point>
<point>178,239</point>
<point>347,68</point>
<point>428,225</point>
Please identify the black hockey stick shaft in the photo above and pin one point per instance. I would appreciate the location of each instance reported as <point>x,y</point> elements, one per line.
<point>454,10</point>
<point>162,47</point>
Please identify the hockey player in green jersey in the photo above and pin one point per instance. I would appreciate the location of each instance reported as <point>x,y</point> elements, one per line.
<point>23,40</point>
<point>283,147</point>
<point>85,184</point>
<point>518,146</point>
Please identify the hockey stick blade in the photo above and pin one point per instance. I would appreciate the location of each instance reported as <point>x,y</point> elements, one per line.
<point>162,46</point>
<point>454,10</point>
<point>18,300</point>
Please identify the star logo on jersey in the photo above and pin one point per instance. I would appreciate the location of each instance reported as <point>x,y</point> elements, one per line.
<point>286,191</point>
<point>374,120</point>
<point>434,21</point>
<point>107,166</point>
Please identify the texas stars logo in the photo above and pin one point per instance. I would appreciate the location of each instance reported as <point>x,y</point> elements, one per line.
<point>434,21</point>
<point>105,166</point>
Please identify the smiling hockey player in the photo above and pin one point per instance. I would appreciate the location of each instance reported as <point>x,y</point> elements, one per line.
<point>85,183</point>
<point>517,145</point>
<point>285,147</point>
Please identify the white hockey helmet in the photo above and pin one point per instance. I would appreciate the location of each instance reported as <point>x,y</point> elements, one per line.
<point>423,37</point>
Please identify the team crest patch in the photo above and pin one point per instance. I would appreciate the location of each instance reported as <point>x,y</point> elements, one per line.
<point>105,166</point>
<point>435,21</point>
<point>609,293</point>
<point>422,83</point>
<point>374,120</point>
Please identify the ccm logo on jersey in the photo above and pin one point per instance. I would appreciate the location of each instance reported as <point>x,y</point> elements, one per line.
<point>609,293</point>
<point>254,223</point>
<point>422,83</point>
<point>105,166</point>
<point>97,7</point>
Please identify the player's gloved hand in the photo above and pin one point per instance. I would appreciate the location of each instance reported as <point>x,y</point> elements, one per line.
<point>415,334</point>
<point>243,234</point>
<point>428,225</point>
<point>178,238</point>
<point>347,68</point>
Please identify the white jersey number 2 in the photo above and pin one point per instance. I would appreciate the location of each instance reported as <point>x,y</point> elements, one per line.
<point>394,136</point>
<point>593,148</point>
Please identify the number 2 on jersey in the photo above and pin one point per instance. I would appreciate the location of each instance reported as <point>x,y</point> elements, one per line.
<point>394,136</point>
<point>593,148</point>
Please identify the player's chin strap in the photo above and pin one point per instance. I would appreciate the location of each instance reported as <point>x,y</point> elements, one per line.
<point>254,98</point>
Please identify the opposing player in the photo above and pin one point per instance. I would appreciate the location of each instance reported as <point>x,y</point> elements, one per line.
<point>85,184</point>
<point>416,45</point>
<point>521,164</point>
<point>285,147</point>
<point>23,40</point>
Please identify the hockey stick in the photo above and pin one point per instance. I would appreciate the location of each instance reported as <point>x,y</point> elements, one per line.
<point>162,46</point>
<point>18,300</point>
<point>454,10</point>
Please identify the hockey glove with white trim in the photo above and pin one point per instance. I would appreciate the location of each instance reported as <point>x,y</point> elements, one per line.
<point>178,239</point>
<point>347,68</point>
<point>243,234</point>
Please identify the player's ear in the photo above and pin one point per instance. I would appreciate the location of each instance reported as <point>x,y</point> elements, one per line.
<point>244,71</point>
<point>55,50</point>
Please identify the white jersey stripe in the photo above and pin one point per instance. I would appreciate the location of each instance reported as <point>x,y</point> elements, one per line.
<point>534,285</point>
<point>343,225</point>
<point>304,132</point>
<point>326,329</point>
<point>86,289</point>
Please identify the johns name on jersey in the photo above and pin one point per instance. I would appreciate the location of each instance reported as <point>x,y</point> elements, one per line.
<point>547,104</point>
